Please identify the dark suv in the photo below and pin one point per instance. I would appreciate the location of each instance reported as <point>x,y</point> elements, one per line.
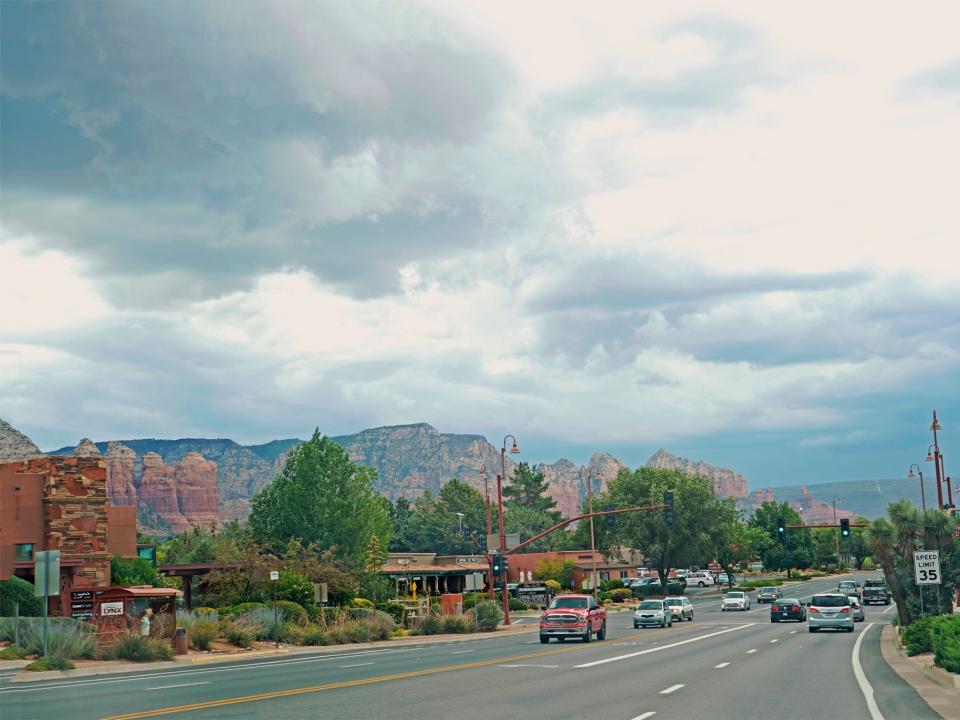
<point>875,592</point>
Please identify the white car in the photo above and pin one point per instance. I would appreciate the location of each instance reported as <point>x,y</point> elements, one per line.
<point>699,579</point>
<point>735,600</point>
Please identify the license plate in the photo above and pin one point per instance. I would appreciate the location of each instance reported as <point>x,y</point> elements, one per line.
<point>785,613</point>
<point>830,616</point>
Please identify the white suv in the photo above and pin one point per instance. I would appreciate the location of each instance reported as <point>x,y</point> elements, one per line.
<point>699,579</point>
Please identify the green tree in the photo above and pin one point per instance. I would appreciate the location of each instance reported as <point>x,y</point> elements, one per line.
<point>528,510</point>
<point>736,541</point>
<point>825,548</point>
<point>321,498</point>
<point>401,512</point>
<point>797,551</point>
<point>856,545</point>
<point>559,570</point>
<point>133,571</point>
<point>450,524</point>
<point>528,488</point>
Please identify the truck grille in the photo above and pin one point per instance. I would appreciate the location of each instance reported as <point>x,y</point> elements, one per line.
<point>565,619</point>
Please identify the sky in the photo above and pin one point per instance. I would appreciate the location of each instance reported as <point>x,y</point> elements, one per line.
<point>728,230</point>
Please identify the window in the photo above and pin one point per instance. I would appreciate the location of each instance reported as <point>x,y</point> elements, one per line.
<point>623,574</point>
<point>24,552</point>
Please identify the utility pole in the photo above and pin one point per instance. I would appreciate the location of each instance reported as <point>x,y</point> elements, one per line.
<point>836,531</point>
<point>486,492</point>
<point>593,545</point>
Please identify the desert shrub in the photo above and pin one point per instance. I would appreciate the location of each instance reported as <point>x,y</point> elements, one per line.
<point>916,636</point>
<point>241,608</point>
<point>314,635</point>
<point>206,611</point>
<point>361,603</point>
<point>13,652</point>
<point>338,635</point>
<point>675,588</point>
<point>7,629</point>
<point>381,625</point>
<point>50,662</point>
<point>487,616</point>
<point>620,594</point>
<point>238,633</point>
<point>613,585</point>
<point>396,610</point>
<point>260,621</point>
<point>135,648</point>
<point>66,637</point>
<point>189,619</point>
<point>946,642</point>
<point>429,624</point>
<point>359,632</point>
<point>202,633</point>
<point>292,612</point>
<point>455,624</point>
<point>292,633</point>
<point>553,585</point>
<point>517,604</point>
<point>17,590</point>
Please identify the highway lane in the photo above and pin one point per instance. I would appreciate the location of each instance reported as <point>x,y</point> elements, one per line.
<point>517,676</point>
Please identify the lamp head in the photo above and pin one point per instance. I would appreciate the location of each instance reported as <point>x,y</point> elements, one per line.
<point>515,450</point>
<point>929,456</point>
<point>911,473</point>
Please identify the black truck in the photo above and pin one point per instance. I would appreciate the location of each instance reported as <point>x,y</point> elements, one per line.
<point>875,592</point>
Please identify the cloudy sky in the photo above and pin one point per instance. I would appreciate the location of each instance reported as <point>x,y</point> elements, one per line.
<point>730,230</point>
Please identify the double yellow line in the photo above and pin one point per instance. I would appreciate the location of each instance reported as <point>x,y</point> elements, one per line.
<point>334,686</point>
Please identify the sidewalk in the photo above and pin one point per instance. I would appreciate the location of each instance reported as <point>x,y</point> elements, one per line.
<point>184,661</point>
<point>938,688</point>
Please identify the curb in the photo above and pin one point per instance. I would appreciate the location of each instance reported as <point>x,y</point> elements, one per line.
<point>200,659</point>
<point>938,689</point>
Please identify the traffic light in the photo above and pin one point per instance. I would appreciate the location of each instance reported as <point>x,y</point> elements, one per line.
<point>781,530</point>
<point>497,563</point>
<point>668,514</point>
<point>505,563</point>
<point>844,528</point>
<point>610,520</point>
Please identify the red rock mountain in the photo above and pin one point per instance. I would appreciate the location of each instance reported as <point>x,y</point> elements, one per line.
<point>183,495</point>
<point>726,483</point>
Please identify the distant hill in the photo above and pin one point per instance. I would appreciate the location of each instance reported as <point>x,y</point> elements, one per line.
<point>866,498</point>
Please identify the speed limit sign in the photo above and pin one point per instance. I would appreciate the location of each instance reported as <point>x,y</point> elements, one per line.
<point>926,567</point>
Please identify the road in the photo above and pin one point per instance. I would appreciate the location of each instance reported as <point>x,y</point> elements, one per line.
<point>722,665</point>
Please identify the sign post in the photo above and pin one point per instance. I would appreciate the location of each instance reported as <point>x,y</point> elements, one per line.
<point>46,575</point>
<point>274,576</point>
<point>926,567</point>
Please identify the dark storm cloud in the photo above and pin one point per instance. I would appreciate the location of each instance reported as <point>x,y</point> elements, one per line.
<point>199,143</point>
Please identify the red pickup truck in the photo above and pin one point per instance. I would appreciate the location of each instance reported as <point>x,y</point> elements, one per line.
<point>576,616</point>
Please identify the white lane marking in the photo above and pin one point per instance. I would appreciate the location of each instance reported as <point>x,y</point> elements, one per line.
<point>671,689</point>
<point>528,665</point>
<point>751,651</point>
<point>774,640</point>
<point>645,715</point>
<point>865,687</point>
<point>793,632</point>
<point>354,665</point>
<point>889,609</point>
<point>461,652</point>
<point>662,647</point>
<point>721,665</point>
<point>167,687</point>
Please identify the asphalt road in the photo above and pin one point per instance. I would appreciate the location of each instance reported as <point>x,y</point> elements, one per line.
<point>723,665</point>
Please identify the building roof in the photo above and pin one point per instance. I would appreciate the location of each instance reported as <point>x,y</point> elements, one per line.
<point>140,591</point>
<point>417,569</point>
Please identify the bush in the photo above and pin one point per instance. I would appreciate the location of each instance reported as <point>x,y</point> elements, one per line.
<point>135,648</point>
<point>66,637</point>
<point>51,662</point>
<point>314,635</point>
<point>292,612</point>
<point>189,619</point>
<point>868,564</point>
<point>16,590</point>
<point>292,633</point>
<point>517,604</point>
<point>456,624</point>
<point>238,633</point>
<point>242,608</point>
<point>916,636</point>
<point>206,612</point>
<point>620,594</point>
<point>613,585</point>
<point>487,616</point>
<point>202,633</point>
<point>428,625</point>
<point>675,588</point>
<point>396,610</point>
<point>13,652</point>
<point>946,642</point>
<point>553,585</point>
<point>361,603</point>
<point>359,632</point>
<point>133,571</point>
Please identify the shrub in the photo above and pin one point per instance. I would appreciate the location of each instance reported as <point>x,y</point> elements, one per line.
<point>487,616</point>
<point>517,604</point>
<point>917,637</point>
<point>292,633</point>
<point>868,564</point>
<point>13,652</point>
<point>7,629</point>
<point>202,633</point>
<point>359,632</point>
<point>455,624</point>
<point>428,625</point>
<point>50,662</point>
<point>242,608</point>
<point>135,648</point>
<point>620,594</point>
<point>16,590</point>
<point>238,633</point>
<point>675,588</point>
<point>337,635</point>
<point>260,621</point>
<point>361,603</point>
<point>314,635</point>
<point>292,612</point>
<point>189,619</point>
<point>553,585</point>
<point>206,611</point>
<point>66,637</point>
<point>396,610</point>
<point>946,642</point>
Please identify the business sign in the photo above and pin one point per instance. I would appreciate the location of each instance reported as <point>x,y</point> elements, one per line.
<point>46,572</point>
<point>81,606</point>
<point>926,567</point>
<point>274,574</point>
<point>511,540</point>
<point>533,594</point>
<point>83,594</point>
<point>111,608</point>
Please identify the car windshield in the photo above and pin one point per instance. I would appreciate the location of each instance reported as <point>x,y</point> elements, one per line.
<point>853,600</point>
<point>829,601</point>
<point>734,596</point>
<point>848,584</point>
<point>768,589</point>
<point>568,602</point>
<point>789,601</point>
<point>650,605</point>
<point>674,601</point>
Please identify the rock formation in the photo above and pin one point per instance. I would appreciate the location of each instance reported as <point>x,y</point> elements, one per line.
<point>158,489</point>
<point>86,448</point>
<point>726,483</point>
<point>14,445</point>
<point>817,511</point>
<point>568,482</point>
<point>183,495</point>
<point>120,462</point>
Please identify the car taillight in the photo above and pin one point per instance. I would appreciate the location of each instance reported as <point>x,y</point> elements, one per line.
<point>775,607</point>
<point>845,610</point>
<point>795,608</point>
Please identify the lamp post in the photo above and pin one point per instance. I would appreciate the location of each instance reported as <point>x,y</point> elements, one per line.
<point>486,492</point>
<point>593,545</point>
<point>836,530</point>
<point>923,497</point>
<point>503,538</point>
<point>937,459</point>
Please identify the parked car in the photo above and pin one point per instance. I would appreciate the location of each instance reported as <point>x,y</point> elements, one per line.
<point>769,594</point>
<point>680,606</point>
<point>875,591</point>
<point>735,600</point>
<point>646,584</point>
<point>849,587</point>
<point>829,610</point>
<point>788,609</point>
<point>858,613</point>
<point>576,616</point>
<point>699,579</point>
<point>725,579</point>
<point>652,612</point>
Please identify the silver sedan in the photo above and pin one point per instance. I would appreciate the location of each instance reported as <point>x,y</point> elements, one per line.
<point>680,607</point>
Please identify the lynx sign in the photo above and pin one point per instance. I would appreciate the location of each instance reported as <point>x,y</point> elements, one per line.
<point>926,567</point>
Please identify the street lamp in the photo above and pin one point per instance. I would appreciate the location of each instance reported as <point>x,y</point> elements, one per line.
<point>923,497</point>
<point>937,457</point>
<point>836,530</point>
<point>503,538</point>
<point>486,492</point>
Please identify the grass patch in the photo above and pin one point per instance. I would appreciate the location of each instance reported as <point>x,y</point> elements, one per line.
<point>13,652</point>
<point>52,662</point>
<point>135,648</point>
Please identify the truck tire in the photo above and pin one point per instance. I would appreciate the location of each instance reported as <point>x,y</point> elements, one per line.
<point>602,635</point>
<point>544,639</point>
<point>588,636</point>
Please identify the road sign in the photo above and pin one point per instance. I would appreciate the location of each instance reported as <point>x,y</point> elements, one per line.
<point>274,574</point>
<point>493,541</point>
<point>926,567</point>
<point>46,573</point>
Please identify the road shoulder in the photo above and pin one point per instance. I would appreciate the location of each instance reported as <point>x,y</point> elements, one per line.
<point>942,698</point>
